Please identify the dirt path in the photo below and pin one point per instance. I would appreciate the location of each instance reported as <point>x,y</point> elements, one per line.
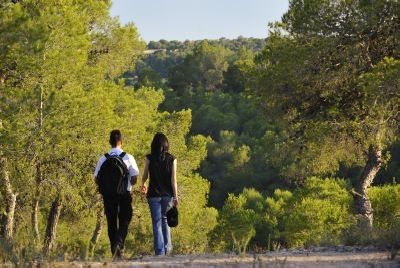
<point>279,259</point>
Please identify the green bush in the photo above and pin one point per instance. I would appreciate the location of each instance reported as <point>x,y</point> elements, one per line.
<point>273,217</point>
<point>385,201</point>
<point>235,227</point>
<point>386,204</point>
<point>315,222</point>
<point>319,213</point>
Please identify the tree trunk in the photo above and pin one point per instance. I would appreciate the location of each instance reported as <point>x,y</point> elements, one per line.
<point>38,179</point>
<point>34,218</point>
<point>361,199</point>
<point>52,221</point>
<point>97,231</point>
<point>10,198</point>
<point>35,204</point>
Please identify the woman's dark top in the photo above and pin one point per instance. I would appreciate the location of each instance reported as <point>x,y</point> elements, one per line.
<point>160,171</point>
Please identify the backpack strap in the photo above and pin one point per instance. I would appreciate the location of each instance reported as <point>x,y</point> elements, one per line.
<point>122,154</point>
<point>107,155</point>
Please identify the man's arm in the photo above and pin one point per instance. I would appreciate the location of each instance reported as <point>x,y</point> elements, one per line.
<point>134,180</point>
<point>133,170</point>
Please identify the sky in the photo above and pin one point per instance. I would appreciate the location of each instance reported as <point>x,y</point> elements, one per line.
<point>199,19</point>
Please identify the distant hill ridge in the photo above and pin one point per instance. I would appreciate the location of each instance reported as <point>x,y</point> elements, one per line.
<point>254,44</point>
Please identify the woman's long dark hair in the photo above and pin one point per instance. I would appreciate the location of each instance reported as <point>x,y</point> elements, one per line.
<point>159,146</point>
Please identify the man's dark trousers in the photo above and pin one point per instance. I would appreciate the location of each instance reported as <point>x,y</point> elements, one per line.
<point>118,210</point>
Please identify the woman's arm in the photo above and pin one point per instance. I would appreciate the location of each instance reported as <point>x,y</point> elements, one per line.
<point>174,183</point>
<point>145,176</point>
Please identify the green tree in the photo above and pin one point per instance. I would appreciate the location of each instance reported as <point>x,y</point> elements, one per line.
<point>328,78</point>
<point>226,167</point>
<point>149,78</point>
<point>54,78</point>
<point>204,68</point>
<point>235,75</point>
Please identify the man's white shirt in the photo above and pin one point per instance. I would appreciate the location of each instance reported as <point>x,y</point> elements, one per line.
<point>129,161</point>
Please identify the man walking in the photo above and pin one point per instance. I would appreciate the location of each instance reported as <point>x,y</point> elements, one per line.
<point>115,173</point>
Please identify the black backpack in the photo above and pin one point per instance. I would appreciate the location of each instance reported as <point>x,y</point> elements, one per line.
<point>112,178</point>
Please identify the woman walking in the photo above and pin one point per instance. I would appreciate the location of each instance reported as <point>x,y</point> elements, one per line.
<point>162,192</point>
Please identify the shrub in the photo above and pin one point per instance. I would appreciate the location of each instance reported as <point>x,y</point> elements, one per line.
<point>235,226</point>
<point>315,222</point>
<point>319,213</point>
<point>386,204</point>
<point>273,217</point>
<point>385,201</point>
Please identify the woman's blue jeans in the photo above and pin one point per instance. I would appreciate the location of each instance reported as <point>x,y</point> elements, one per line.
<point>161,231</point>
